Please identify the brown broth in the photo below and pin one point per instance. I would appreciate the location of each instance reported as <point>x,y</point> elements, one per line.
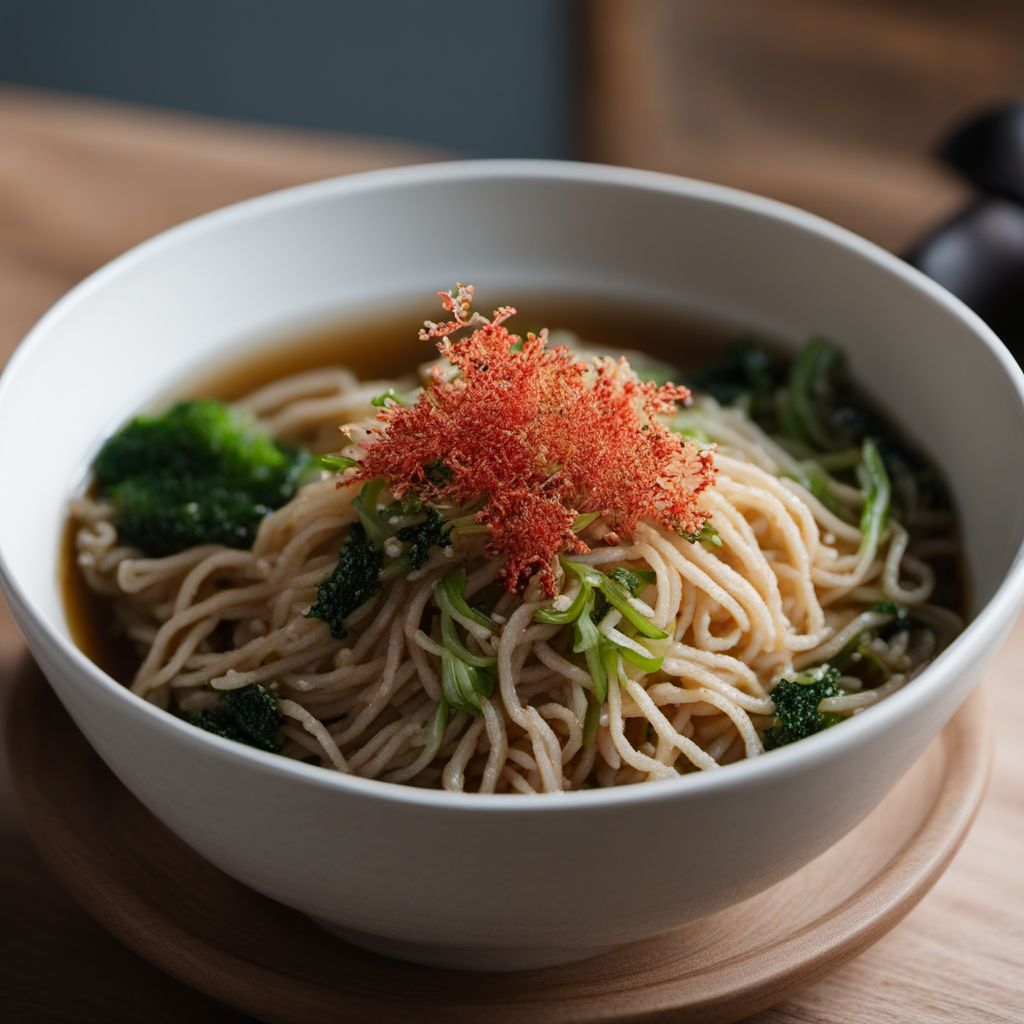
<point>388,347</point>
<point>385,347</point>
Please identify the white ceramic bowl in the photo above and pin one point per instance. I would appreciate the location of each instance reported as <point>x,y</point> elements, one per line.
<point>505,881</point>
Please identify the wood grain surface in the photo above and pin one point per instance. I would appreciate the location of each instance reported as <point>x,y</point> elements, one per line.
<point>81,181</point>
<point>184,915</point>
<point>827,104</point>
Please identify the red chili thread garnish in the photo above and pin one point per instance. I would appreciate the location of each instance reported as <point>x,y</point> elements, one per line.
<point>539,437</point>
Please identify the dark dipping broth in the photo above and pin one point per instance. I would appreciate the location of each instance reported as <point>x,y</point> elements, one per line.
<point>387,347</point>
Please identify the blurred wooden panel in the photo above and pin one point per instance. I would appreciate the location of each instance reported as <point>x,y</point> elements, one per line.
<point>83,180</point>
<point>829,104</point>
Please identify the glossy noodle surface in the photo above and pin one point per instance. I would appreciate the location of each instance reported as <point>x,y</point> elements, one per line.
<point>823,576</point>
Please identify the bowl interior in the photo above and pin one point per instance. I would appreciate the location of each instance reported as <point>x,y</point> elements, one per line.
<point>316,252</point>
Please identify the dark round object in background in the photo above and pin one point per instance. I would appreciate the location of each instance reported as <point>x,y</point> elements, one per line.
<point>989,151</point>
<point>979,256</point>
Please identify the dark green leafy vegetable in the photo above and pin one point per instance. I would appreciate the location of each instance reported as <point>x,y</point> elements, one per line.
<point>809,396</point>
<point>162,515</point>
<point>203,438</point>
<point>360,571</point>
<point>796,705</point>
<point>809,405</point>
<point>354,580</point>
<point>421,537</point>
<point>201,473</point>
<point>248,715</point>
<point>744,373</point>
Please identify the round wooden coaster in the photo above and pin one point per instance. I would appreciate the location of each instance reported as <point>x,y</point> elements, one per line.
<point>213,933</point>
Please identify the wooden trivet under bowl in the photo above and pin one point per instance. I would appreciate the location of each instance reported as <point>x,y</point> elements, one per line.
<point>187,917</point>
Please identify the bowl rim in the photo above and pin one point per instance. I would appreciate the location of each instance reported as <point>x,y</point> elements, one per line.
<point>968,646</point>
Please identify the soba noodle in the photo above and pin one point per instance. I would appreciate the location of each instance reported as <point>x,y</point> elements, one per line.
<point>789,586</point>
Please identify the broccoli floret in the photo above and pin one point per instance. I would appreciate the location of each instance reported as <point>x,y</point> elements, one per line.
<point>354,580</point>
<point>204,439</point>
<point>248,715</point>
<point>201,473</point>
<point>162,515</point>
<point>796,705</point>
<point>421,537</point>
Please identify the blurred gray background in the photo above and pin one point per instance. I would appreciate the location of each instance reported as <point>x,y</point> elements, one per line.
<point>480,79</point>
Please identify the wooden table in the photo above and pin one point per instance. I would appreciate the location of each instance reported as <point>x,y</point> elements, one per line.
<point>81,181</point>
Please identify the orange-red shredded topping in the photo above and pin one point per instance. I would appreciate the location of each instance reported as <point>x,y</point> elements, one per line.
<point>538,437</point>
